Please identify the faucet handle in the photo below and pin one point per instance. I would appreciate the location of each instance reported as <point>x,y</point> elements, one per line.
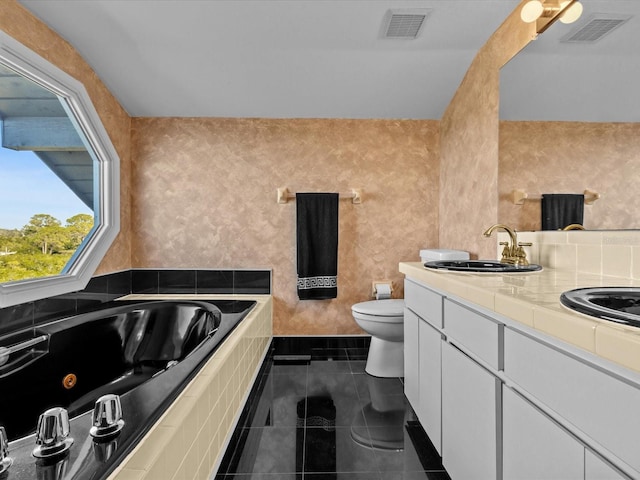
<point>52,434</point>
<point>5,460</point>
<point>521,254</point>
<point>107,417</point>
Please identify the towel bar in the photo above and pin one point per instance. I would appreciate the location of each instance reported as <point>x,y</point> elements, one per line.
<point>519,196</point>
<point>284,195</point>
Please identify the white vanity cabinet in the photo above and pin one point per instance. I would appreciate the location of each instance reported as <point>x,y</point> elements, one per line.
<point>534,447</point>
<point>470,413</point>
<point>508,402</point>
<point>412,359</point>
<point>596,404</point>
<point>471,393</point>
<point>422,358</point>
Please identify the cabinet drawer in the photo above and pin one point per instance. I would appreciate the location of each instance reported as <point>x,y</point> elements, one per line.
<point>602,406</point>
<point>475,332</point>
<point>426,303</point>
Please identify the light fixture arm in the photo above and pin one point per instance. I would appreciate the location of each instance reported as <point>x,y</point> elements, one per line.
<point>546,12</point>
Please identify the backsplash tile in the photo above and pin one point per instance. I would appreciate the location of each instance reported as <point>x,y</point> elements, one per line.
<point>613,253</point>
<point>251,281</point>
<point>214,281</point>
<point>176,281</point>
<point>144,281</point>
<point>119,283</point>
<point>616,260</point>
<point>590,259</point>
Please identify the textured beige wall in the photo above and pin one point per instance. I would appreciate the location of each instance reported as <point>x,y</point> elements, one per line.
<point>469,145</point>
<point>206,198</point>
<point>16,21</point>
<point>569,157</point>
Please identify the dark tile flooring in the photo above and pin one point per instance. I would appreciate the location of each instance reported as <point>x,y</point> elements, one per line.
<point>314,414</point>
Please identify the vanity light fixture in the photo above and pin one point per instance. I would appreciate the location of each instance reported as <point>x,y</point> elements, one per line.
<point>544,13</point>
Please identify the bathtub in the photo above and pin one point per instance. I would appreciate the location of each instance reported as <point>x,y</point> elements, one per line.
<point>144,351</point>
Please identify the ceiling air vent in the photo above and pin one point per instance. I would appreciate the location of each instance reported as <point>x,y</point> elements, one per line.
<point>404,23</point>
<point>595,27</point>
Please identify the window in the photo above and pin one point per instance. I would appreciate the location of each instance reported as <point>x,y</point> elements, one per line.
<point>48,119</point>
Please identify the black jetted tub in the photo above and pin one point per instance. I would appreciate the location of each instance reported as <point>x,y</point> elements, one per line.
<point>144,351</point>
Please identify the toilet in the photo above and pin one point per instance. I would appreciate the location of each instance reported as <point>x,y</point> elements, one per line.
<point>384,321</point>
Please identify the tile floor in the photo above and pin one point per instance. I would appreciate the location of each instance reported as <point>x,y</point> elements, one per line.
<point>314,414</point>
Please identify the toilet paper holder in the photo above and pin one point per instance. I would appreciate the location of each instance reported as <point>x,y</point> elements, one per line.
<point>381,289</point>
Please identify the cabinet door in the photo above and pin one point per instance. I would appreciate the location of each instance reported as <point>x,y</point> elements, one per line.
<point>534,446</point>
<point>470,403</point>
<point>598,469</point>
<point>430,407</point>
<point>411,359</point>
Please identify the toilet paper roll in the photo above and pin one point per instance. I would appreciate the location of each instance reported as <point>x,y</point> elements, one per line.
<point>383,291</point>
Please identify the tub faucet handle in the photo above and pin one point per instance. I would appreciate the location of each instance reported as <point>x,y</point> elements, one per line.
<point>107,417</point>
<point>52,434</point>
<point>5,460</point>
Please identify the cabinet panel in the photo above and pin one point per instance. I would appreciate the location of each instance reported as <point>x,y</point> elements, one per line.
<point>411,359</point>
<point>430,407</point>
<point>470,406</point>
<point>426,303</point>
<point>600,405</point>
<point>475,332</point>
<point>535,447</point>
<point>598,469</point>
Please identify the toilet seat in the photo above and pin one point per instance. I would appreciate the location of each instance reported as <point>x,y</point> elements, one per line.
<point>380,308</point>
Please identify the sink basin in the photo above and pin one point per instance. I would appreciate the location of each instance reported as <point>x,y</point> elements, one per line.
<point>616,304</point>
<point>488,266</point>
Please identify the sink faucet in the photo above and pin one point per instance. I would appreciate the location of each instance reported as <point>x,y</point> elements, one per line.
<point>573,226</point>
<point>513,253</point>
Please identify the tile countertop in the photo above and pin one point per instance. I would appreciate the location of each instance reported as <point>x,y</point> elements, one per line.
<point>534,300</point>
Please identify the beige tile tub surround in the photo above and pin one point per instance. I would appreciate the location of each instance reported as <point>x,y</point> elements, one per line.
<point>188,441</point>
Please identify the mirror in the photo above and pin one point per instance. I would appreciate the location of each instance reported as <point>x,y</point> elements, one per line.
<point>50,125</point>
<point>570,118</point>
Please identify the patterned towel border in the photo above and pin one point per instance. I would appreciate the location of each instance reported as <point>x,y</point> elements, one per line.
<point>306,283</point>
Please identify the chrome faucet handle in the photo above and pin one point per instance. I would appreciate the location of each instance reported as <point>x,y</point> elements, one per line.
<point>107,417</point>
<point>52,434</point>
<point>5,460</point>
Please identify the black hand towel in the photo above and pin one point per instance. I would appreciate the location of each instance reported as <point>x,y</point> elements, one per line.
<point>317,245</point>
<point>560,210</point>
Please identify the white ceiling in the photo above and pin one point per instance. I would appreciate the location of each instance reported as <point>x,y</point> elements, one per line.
<point>296,58</point>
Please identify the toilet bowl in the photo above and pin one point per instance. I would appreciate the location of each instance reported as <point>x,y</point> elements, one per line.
<point>384,321</point>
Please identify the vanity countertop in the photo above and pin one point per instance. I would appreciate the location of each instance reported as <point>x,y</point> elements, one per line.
<point>534,300</point>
